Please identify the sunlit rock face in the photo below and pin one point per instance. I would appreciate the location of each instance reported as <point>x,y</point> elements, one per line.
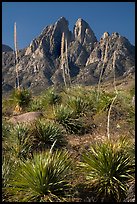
<point>39,63</point>
<point>103,56</point>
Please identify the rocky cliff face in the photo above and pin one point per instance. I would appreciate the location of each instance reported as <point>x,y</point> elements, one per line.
<point>6,48</point>
<point>39,63</point>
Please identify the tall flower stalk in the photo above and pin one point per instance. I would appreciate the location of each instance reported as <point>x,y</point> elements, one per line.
<point>16,55</point>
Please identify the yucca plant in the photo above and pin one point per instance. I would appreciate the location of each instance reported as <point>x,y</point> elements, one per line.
<point>63,113</point>
<point>101,102</point>
<point>8,167</point>
<point>67,118</point>
<point>104,101</point>
<point>5,129</point>
<point>45,133</point>
<point>108,169</point>
<point>35,105</point>
<point>51,97</point>
<point>78,105</point>
<point>41,179</point>
<point>19,141</point>
<point>21,97</point>
<point>5,136</point>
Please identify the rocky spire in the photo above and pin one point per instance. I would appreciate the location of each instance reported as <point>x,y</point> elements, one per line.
<point>40,62</point>
<point>83,33</point>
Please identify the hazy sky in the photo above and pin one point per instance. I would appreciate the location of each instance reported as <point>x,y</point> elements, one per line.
<point>33,17</point>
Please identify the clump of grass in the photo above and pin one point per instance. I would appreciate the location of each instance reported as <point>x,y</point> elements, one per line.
<point>5,129</point>
<point>78,105</point>
<point>108,169</point>
<point>104,101</point>
<point>19,141</point>
<point>63,113</point>
<point>132,91</point>
<point>35,105</point>
<point>67,118</point>
<point>7,106</point>
<point>21,97</point>
<point>46,133</point>
<point>41,179</point>
<point>8,167</point>
<point>51,97</point>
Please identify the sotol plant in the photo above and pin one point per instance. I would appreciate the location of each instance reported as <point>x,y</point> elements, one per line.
<point>78,105</point>
<point>51,97</point>
<point>46,133</point>
<point>21,97</point>
<point>19,141</point>
<point>43,178</point>
<point>108,169</point>
<point>67,118</point>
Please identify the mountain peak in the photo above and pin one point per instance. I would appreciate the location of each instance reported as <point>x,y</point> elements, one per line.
<point>83,33</point>
<point>62,20</point>
<point>39,63</point>
<point>6,48</point>
<point>80,20</point>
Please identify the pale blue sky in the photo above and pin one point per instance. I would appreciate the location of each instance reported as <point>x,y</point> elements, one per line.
<point>32,17</point>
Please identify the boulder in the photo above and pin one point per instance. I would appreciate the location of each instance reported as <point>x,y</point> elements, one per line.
<point>26,117</point>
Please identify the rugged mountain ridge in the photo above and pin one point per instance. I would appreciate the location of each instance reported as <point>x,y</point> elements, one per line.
<point>6,48</point>
<point>39,63</point>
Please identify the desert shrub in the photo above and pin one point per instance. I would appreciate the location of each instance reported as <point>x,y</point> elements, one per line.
<point>76,90</point>
<point>108,169</point>
<point>7,106</point>
<point>51,97</point>
<point>5,129</point>
<point>67,118</point>
<point>21,97</point>
<point>132,91</point>
<point>46,133</point>
<point>35,105</point>
<point>19,141</point>
<point>63,113</point>
<point>78,105</point>
<point>8,167</point>
<point>123,105</point>
<point>104,101</point>
<point>41,179</point>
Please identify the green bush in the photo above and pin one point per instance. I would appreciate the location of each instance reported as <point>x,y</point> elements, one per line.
<point>108,167</point>
<point>46,133</point>
<point>51,97</point>
<point>43,178</point>
<point>8,167</point>
<point>21,97</point>
<point>35,105</point>
<point>78,105</point>
<point>67,118</point>
<point>5,129</point>
<point>104,101</point>
<point>63,113</point>
<point>19,141</point>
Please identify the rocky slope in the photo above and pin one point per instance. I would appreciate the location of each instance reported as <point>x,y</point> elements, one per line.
<point>6,48</point>
<point>39,63</point>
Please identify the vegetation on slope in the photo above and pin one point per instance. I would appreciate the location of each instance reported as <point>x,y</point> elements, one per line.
<point>35,169</point>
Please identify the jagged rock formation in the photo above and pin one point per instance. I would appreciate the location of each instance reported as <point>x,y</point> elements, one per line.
<point>102,58</point>
<point>39,63</point>
<point>6,48</point>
